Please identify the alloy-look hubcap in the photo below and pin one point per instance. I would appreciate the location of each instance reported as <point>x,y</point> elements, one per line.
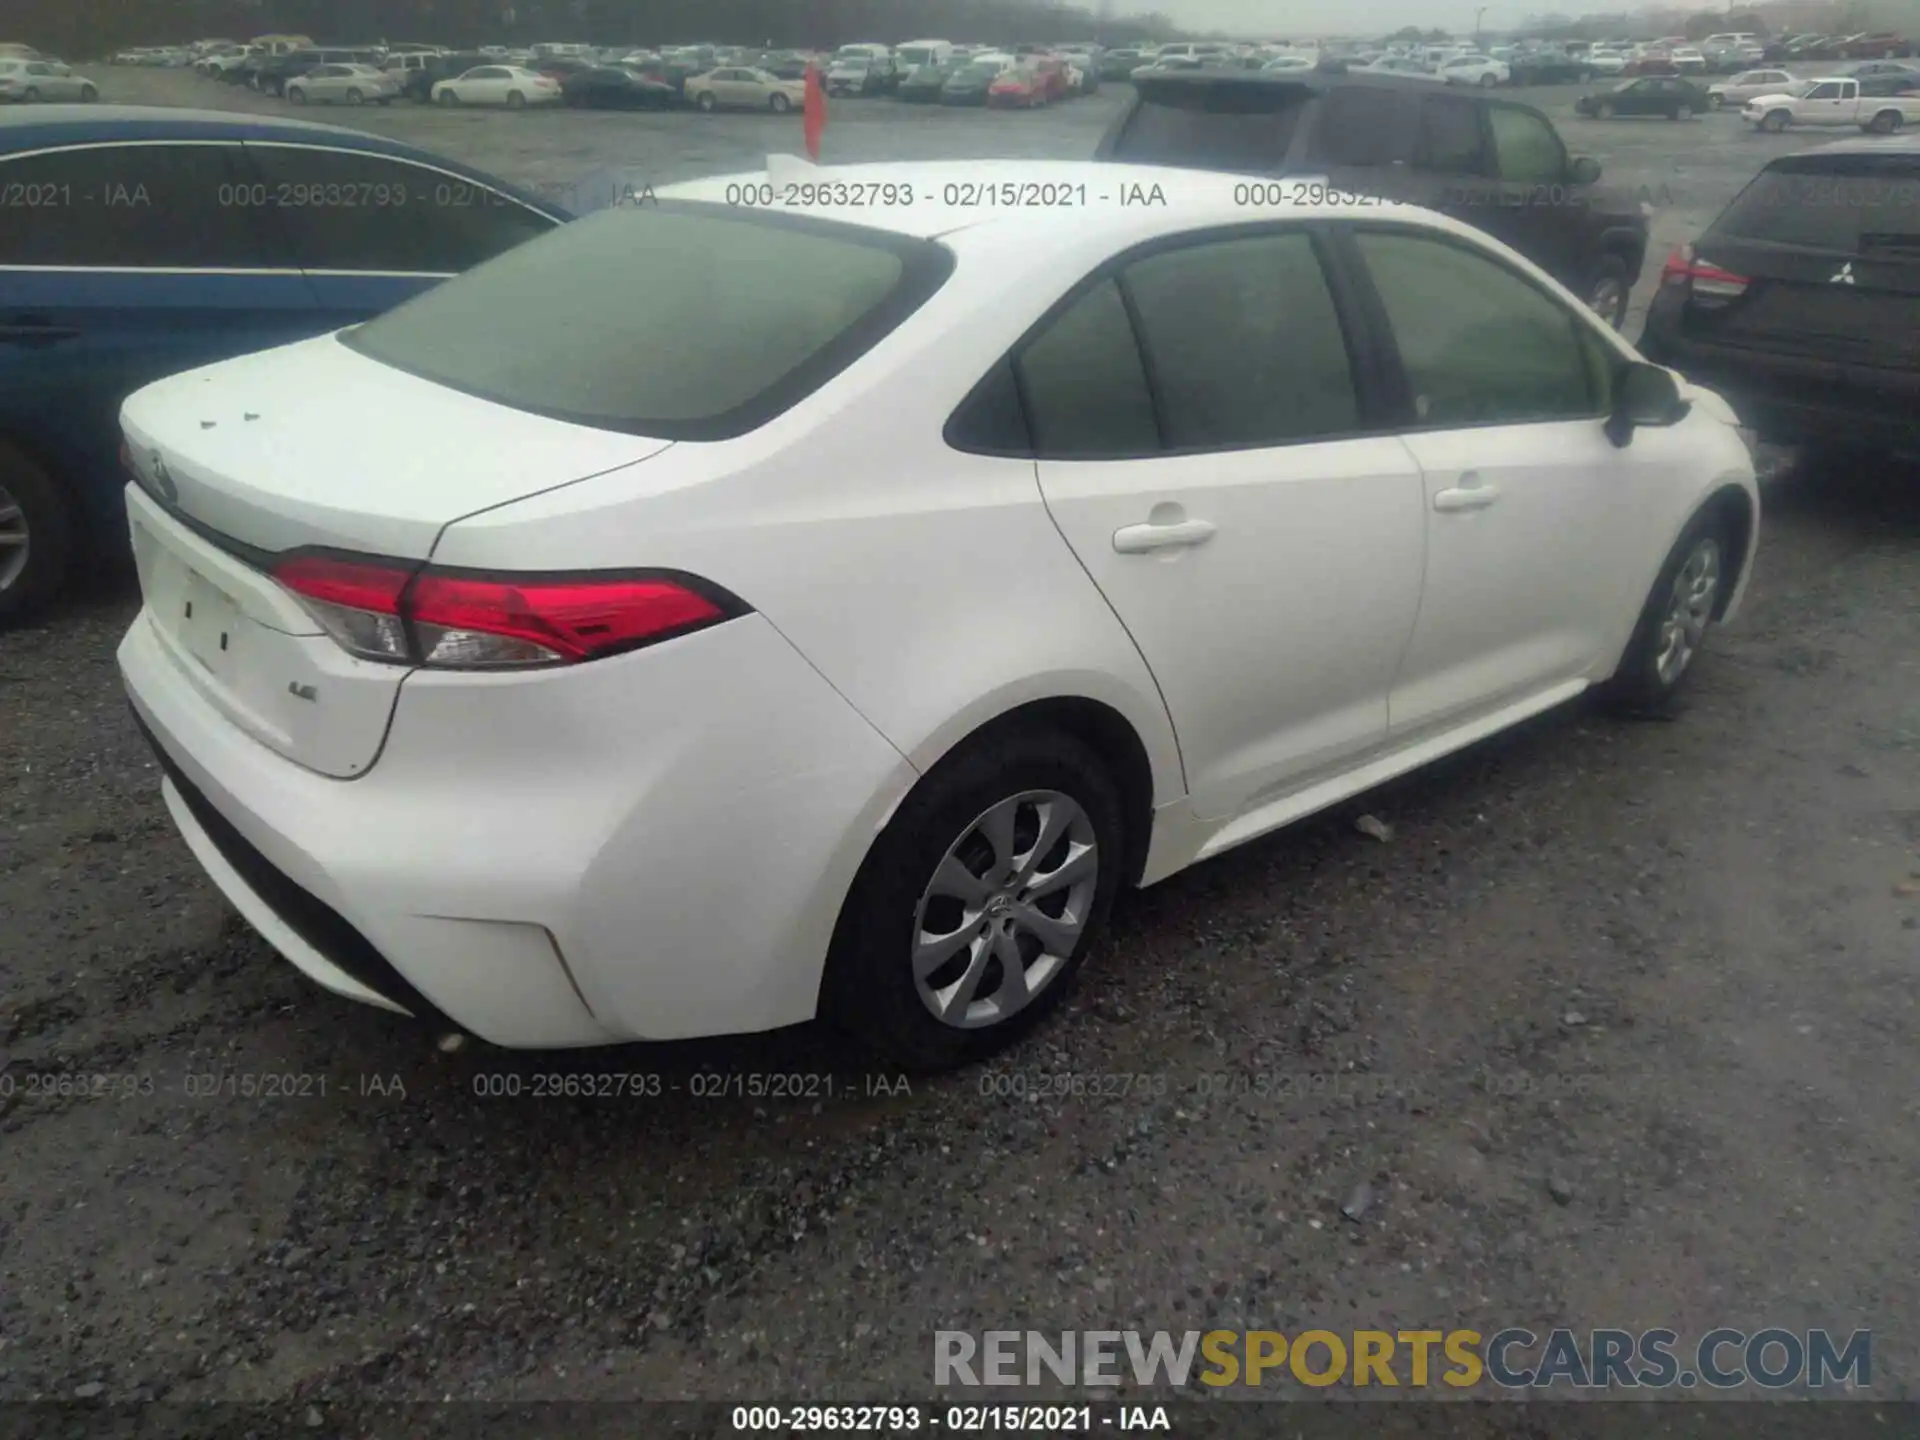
<point>14,539</point>
<point>1689,608</point>
<point>1007,904</point>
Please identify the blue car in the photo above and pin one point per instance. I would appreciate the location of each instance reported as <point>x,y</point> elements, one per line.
<point>135,243</point>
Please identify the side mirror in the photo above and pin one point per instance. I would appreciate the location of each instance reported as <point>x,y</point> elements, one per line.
<point>1643,395</point>
<point>1583,171</point>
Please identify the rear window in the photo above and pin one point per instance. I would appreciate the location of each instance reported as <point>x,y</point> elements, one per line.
<point>723,319</point>
<point>1236,125</point>
<point>1853,205</point>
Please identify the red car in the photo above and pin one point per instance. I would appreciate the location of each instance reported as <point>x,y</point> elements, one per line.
<point>1024,89</point>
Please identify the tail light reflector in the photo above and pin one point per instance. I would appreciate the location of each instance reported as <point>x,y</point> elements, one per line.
<point>465,620</point>
<point>1707,281</point>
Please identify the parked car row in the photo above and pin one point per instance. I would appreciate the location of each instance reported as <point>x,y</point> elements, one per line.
<point>27,81</point>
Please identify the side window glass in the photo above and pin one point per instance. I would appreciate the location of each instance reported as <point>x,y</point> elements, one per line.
<point>1824,92</point>
<point>1480,345</point>
<point>347,210</point>
<point>138,206</point>
<point>1450,136</point>
<point>1362,126</point>
<point>1085,388</point>
<point>1244,343</point>
<point>1525,147</point>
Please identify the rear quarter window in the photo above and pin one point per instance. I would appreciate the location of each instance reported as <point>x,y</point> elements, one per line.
<point>678,320</point>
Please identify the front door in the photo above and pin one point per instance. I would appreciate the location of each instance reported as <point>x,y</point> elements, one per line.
<point>1255,532</point>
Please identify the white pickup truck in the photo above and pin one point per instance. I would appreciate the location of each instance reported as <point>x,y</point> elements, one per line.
<point>1833,101</point>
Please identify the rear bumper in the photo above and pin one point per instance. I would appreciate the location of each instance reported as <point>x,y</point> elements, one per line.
<point>554,859</point>
<point>1790,399</point>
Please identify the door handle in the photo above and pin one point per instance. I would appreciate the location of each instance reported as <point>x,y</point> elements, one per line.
<point>1473,496</point>
<point>25,331</point>
<point>1142,539</point>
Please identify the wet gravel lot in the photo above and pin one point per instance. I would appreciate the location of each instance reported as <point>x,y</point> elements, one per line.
<point>1617,1027</point>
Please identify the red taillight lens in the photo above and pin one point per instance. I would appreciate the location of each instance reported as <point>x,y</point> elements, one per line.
<point>380,610</point>
<point>1707,281</point>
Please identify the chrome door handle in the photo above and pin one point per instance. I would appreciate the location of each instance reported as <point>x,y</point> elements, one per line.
<point>1141,539</point>
<point>1466,497</point>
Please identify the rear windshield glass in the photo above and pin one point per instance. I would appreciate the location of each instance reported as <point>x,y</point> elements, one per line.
<point>1237,125</point>
<point>1852,205</point>
<point>684,321</point>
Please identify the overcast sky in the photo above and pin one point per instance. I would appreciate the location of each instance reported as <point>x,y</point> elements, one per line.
<point>1284,18</point>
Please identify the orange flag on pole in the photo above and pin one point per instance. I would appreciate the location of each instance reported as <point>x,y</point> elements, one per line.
<point>814,111</point>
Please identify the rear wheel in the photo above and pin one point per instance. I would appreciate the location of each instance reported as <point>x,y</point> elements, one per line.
<point>979,900</point>
<point>1488,81</point>
<point>1608,288</point>
<point>297,95</point>
<point>779,104</point>
<point>1886,122</point>
<point>706,101</point>
<point>515,100</point>
<point>30,94</point>
<point>36,534</point>
<point>354,97</point>
<point>447,97</point>
<point>88,94</point>
<point>1604,110</point>
<point>1683,603</point>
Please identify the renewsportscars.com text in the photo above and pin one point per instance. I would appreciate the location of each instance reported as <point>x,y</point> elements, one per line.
<point>1513,1359</point>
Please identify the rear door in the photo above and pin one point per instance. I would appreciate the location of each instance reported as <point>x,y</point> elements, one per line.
<point>128,262</point>
<point>1829,249</point>
<point>373,230</point>
<point>1219,473</point>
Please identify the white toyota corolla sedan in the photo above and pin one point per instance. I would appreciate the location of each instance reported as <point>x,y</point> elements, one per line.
<point>825,611</point>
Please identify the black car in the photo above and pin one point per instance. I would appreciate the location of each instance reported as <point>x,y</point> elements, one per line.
<point>1666,95</point>
<point>923,84</point>
<point>1547,67</point>
<point>1801,303</point>
<point>614,87</point>
<point>275,71</point>
<point>1492,162</point>
<point>417,81</point>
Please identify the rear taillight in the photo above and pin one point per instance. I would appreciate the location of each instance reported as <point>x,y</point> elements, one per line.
<point>468,620</point>
<point>1706,281</point>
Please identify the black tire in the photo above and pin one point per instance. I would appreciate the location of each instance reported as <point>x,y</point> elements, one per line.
<point>296,95</point>
<point>1886,122</point>
<point>88,95</point>
<point>1774,121</point>
<point>779,104</point>
<point>1487,82</point>
<point>705,102</point>
<point>515,100</point>
<point>44,509</point>
<point>30,94</point>
<point>354,97</point>
<point>447,97</point>
<point>1637,687</point>
<point>1676,112</point>
<point>1604,110</point>
<point>869,987</point>
<point>1609,288</point>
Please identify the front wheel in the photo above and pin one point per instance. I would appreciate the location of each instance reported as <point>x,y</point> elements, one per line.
<point>1685,600</point>
<point>354,97</point>
<point>88,94</point>
<point>515,100</point>
<point>447,97</point>
<point>1487,82</point>
<point>1604,110</point>
<point>979,900</point>
<point>779,104</point>
<point>1608,289</point>
<point>31,94</point>
<point>706,102</point>
<point>1774,121</point>
<point>297,96</point>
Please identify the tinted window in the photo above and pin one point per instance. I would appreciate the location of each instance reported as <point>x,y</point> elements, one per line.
<point>1363,126</point>
<point>132,205</point>
<point>368,212</point>
<point>1244,343</point>
<point>1480,344</point>
<point>1824,92</point>
<point>1239,126</point>
<point>1525,147</point>
<point>1085,388</point>
<point>722,319</point>
<point>1450,136</point>
<point>1867,203</point>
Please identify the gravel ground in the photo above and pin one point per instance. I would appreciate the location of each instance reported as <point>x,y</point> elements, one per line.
<point>1617,1027</point>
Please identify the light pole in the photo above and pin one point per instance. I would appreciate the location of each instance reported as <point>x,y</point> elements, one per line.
<point>1476,23</point>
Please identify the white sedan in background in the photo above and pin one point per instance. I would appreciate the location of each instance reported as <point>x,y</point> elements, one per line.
<point>1287,64</point>
<point>1482,70</point>
<point>743,87</point>
<point>1737,90</point>
<point>1405,65</point>
<point>592,688</point>
<point>344,85</point>
<point>508,85</point>
<point>1604,62</point>
<point>33,80</point>
<point>1689,60</point>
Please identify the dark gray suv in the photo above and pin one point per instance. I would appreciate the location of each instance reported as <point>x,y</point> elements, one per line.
<point>1494,163</point>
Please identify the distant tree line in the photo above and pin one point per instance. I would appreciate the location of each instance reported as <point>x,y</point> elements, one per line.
<point>81,29</point>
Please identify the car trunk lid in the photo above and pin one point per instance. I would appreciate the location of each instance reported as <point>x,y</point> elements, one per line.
<point>313,446</point>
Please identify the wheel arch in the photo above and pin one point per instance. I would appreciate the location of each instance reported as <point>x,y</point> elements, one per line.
<point>1737,507</point>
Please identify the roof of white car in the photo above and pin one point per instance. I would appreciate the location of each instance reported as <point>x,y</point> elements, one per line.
<point>953,195</point>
